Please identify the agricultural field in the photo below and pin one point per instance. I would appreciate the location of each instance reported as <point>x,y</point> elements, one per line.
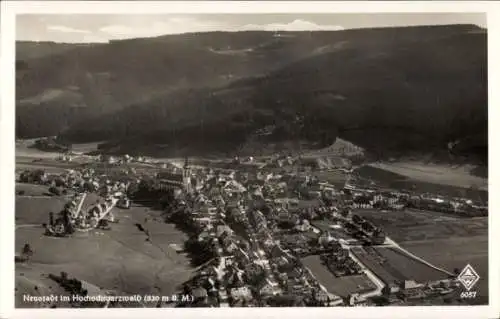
<point>50,166</point>
<point>395,179</point>
<point>85,147</point>
<point>35,210</point>
<point>411,225</point>
<point>455,253</point>
<point>335,177</point>
<point>32,190</point>
<point>408,268</point>
<point>459,176</point>
<point>341,286</point>
<point>30,281</point>
<point>444,241</point>
<point>393,267</point>
<point>123,259</point>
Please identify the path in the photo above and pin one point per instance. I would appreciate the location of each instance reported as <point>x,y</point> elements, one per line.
<point>409,254</point>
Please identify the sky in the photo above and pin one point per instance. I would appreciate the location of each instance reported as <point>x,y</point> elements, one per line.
<point>78,28</point>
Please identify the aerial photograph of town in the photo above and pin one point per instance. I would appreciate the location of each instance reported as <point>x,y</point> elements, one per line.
<point>251,160</point>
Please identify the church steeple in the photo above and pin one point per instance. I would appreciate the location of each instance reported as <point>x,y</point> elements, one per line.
<point>186,176</point>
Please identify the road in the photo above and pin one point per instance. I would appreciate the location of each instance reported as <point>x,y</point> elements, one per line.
<point>395,245</point>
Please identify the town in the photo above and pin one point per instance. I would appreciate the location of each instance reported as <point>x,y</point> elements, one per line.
<point>262,232</point>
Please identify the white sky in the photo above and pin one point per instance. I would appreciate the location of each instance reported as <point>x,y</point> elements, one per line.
<point>104,27</point>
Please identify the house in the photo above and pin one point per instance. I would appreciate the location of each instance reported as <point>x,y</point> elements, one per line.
<point>221,229</point>
<point>233,186</point>
<point>295,274</point>
<point>268,241</point>
<point>199,294</point>
<point>356,299</point>
<point>410,284</point>
<point>277,252</point>
<point>241,294</point>
<point>223,296</point>
<point>325,239</point>
<point>303,226</point>
<point>267,288</point>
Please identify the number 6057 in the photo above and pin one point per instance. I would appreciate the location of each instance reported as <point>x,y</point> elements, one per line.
<point>468,294</point>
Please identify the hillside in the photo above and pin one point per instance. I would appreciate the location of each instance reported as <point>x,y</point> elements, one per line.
<point>91,80</point>
<point>26,50</point>
<point>388,90</point>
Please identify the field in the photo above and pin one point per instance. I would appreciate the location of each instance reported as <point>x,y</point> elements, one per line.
<point>464,184</point>
<point>85,148</point>
<point>335,177</point>
<point>32,190</point>
<point>411,225</point>
<point>444,241</point>
<point>35,210</point>
<point>49,165</point>
<point>341,286</point>
<point>456,252</point>
<point>120,259</point>
<point>441,174</point>
<point>24,149</point>
<point>393,267</point>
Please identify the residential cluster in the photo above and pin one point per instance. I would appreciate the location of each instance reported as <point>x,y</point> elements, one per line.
<point>372,198</point>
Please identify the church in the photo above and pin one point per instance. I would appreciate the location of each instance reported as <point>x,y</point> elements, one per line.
<point>176,180</point>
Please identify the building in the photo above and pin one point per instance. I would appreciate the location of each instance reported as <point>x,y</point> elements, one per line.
<point>200,294</point>
<point>269,288</point>
<point>412,290</point>
<point>241,293</point>
<point>172,179</point>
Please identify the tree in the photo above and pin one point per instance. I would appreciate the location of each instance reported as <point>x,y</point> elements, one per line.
<point>27,251</point>
<point>386,291</point>
<point>381,300</point>
<point>357,219</point>
<point>344,212</point>
<point>54,190</point>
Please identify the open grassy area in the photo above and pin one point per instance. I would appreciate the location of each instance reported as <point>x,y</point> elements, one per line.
<point>410,225</point>
<point>456,252</point>
<point>341,286</point>
<point>441,174</point>
<point>408,268</point>
<point>335,177</point>
<point>437,184</point>
<point>31,189</point>
<point>120,259</point>
<point>35,210</point>
<point>33,282</point>
<point>444,241</point>
<point>49,166</point>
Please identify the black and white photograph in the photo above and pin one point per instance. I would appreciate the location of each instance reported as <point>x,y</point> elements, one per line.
<point>228,160</point>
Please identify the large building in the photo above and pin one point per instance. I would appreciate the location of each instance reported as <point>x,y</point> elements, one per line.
<point>180,180</point>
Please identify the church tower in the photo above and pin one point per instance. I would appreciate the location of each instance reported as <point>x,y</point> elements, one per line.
<point>186,176</point>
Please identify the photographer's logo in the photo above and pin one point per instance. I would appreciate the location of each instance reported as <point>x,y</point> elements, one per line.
<point>468,277</point>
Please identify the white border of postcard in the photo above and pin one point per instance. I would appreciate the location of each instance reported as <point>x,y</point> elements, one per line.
<point>9,9</point>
